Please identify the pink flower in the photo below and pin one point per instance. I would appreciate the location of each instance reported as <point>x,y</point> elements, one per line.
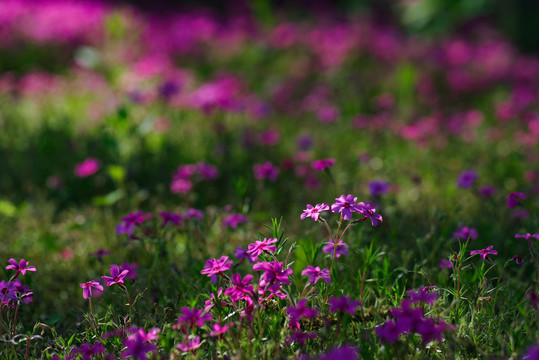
<point>193,317</point>
<point>513,199</point>
<point>528,237</point>
<point>314,212</point>
<point>20,268</point>
<point>241,289</point>
<point>88,167</point>
<point>322,164</point>
<point>87,288</point>
<point>216,267</point>
<point>316,274</point>
<point>259,247</point>
<point>218,329</point>
<point>233,220</point>
<point>484,252</point>
<point>190,344</point>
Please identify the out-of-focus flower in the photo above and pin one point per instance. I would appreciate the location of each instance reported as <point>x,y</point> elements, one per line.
<point>467,179</point>
<point>266,171</point>
<point>88,167</point>
<point>87,288</point>
<point>513,199</point>
<point>378,187</point>
<point>321,165</point>
<point>233,220</point>
<point>465,233</point>
<point>316,274</point>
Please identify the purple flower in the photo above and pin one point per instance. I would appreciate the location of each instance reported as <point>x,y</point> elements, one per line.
<point>321,165</point>
<point>343,304</point>
<point>316,274</point>
<point>117,275</point>
<point>216,267</point>
<point>484,252</point>
<point>466,179</point>
<point>233,220</point>
<point>9,295</point>
<point>241,253</point>
<point>190,344</point>
<point>341,353</point>
<point>314,212</point>
<point>513,199</point>
<point>304,142</point>
<point>132,268</point>
<point>192,317</point>
<point>100,253</point>
<point>378,187</point>
<point>194,214</point>
<point>21,267</point>
<point>88,351</point>
<point>300,311</point>
<point>300,337</point>
<point>241,289</point>
<point>517,259</point>
<point>365,209</point>
<point>531,353</point>
<point>429,331</point>
<point>259,247</point>
<point>422,296</point>
<point>487,191</point>
<point>207,171</point>
<point>266,171</point>
<point>388,332</point>
<point>87,288</point>
<point>445,264</point>
<point>465,233</point>
<point>339,248</point>
<point>88,167</point>
<point>138,346</point>
<point>171,218</point>
<point>345,205</point>
<point>132,220</point>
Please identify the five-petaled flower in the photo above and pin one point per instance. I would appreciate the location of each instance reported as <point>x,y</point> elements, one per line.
<point>21,267</point>
<point>316,274</point>
<point>259,247</point>
<point>345,205</point>
<point>216,267</point>
<point>87,288</point>
<point>484,252</point>
<point>314,212</point>
<point>117,275</point>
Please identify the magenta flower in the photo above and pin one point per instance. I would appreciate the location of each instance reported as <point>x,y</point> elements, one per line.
<point>132,220</point>
<point>388,332</point>
<point>369,213</point>
<point>218,329</point>
<point>193,317</point>
<point>487,191</point>
<point>266,171</point>
<point>517,259</point>
<point>343,304</point>
<point>314,212</point>
<point>241,289</point>
<point>321,165</point>
<point>88,167</point>
<point>87,288</point>
<point>132,268</point>
<point>190,344</point>
<point>117,275</point>
<point>100,253</point>
<point>465,233</point>
<point>466,179</point>
<point>21,267</point>
<point>138,346</point>
<point>316,274</point>
<point>259,247</point>
<point>241,253</point>
<point>345,205</point>
<point>273,273</point>
<point>216,267</point>
<point>528,237</point>
<point>484,252</point>
<point>513,199</point>
<point>233,220</point>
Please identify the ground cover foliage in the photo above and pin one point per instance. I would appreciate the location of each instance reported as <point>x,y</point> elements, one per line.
<point>188,185</point>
